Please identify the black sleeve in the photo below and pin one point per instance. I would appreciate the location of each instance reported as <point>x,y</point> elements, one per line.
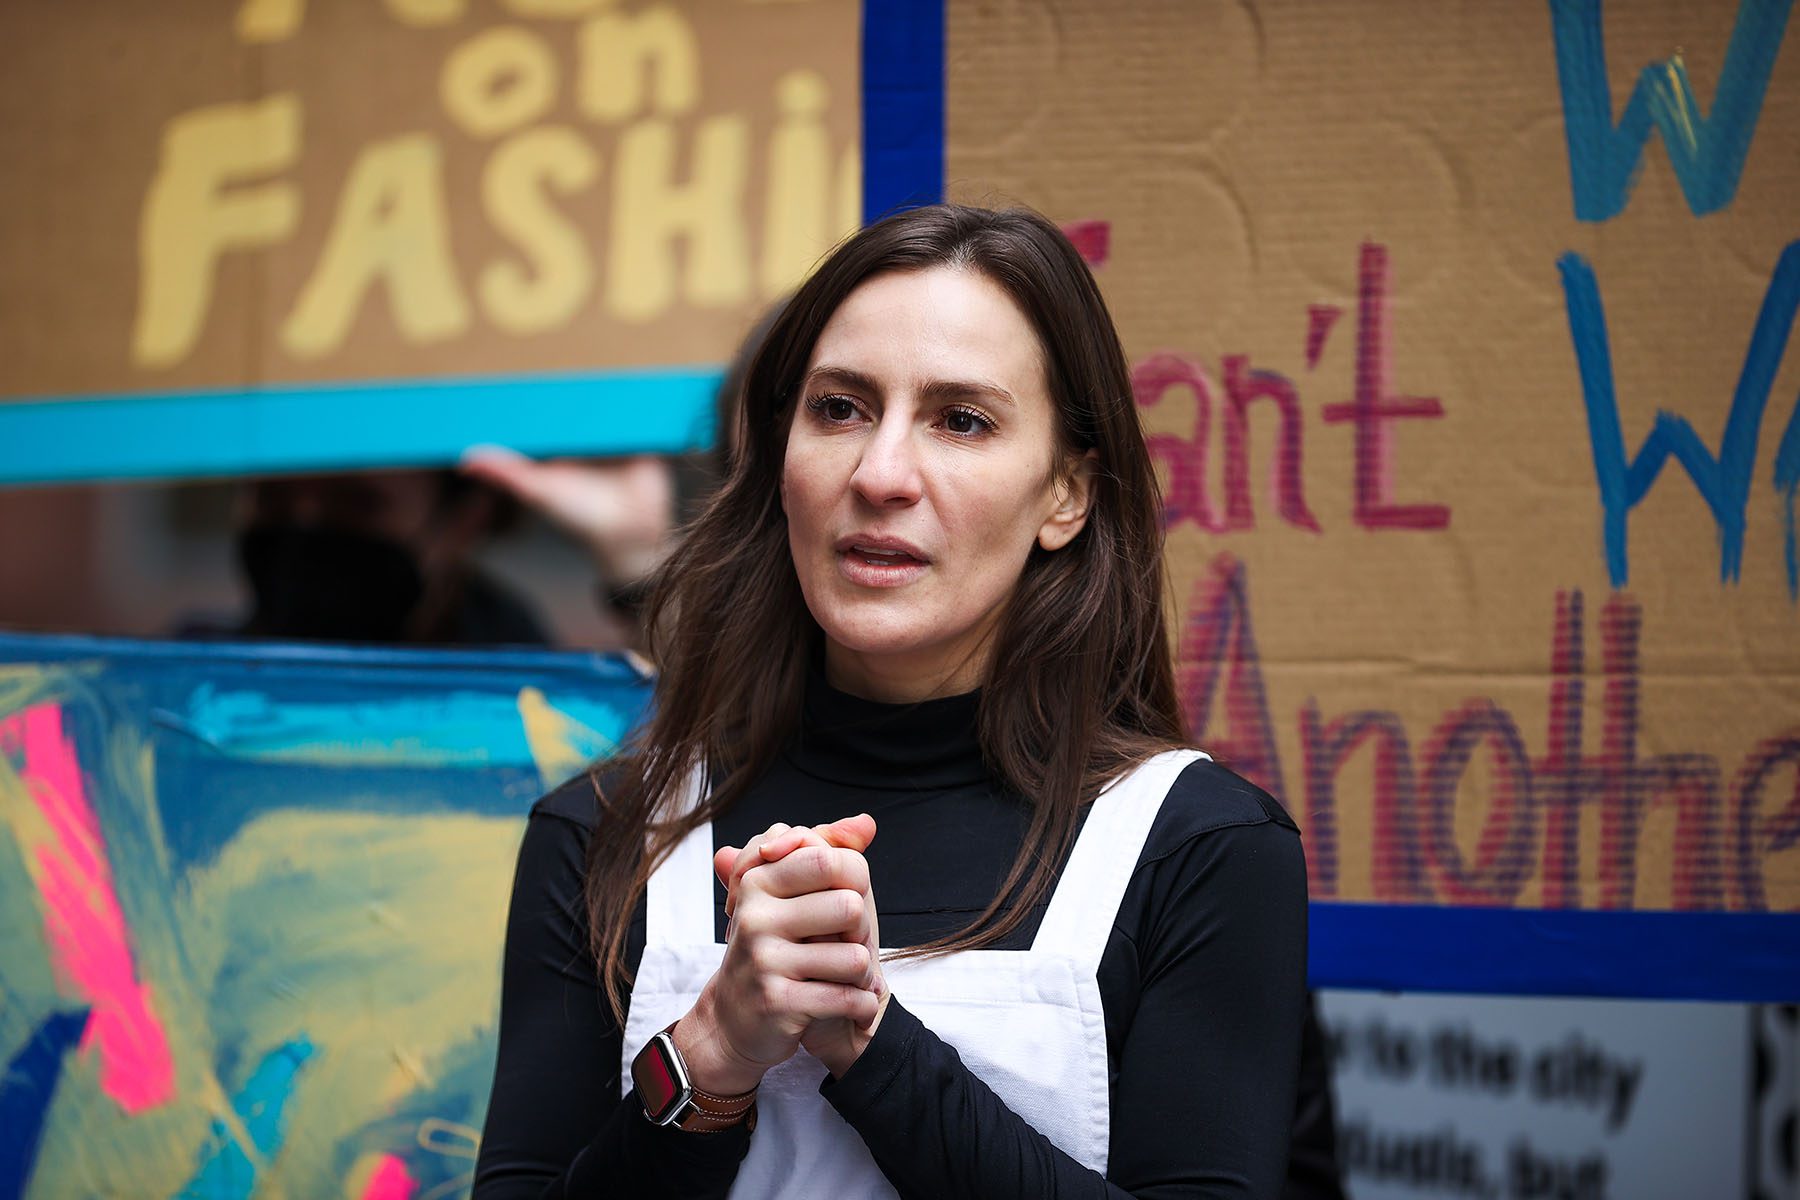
<point>1204,1094</point>
<point>1313,1172</point>
<point>556,1125</point>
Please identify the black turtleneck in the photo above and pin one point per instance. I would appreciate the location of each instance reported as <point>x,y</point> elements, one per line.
<point>1202,981</point>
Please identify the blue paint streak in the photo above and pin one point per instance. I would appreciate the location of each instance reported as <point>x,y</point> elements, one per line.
<point>371,423</point>
<point>226,1171</point>
<point>1787,487</point>
<point>902,105</point>
<point>26,1091</point>
<point>444,729</point>
<point>1707,153</point>
<point>1723,481</point>
<point>1723,956</point>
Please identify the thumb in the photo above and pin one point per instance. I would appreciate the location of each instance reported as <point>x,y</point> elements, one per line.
<point>723,858</point>
<point>850,833</point>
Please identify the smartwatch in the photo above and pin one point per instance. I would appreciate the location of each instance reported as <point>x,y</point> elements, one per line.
<point>670,1097</point>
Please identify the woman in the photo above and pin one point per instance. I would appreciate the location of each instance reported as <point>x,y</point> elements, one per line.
<point>917,640</point>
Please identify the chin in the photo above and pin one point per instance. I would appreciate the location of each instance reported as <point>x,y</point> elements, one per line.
<point>879,633</point>
<point>879,625</point>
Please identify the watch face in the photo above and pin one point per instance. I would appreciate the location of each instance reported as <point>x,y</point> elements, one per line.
<point>661,1083</point>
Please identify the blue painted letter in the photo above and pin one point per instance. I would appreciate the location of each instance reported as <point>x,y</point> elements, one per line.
<point>1707,152</point>
<point>1724,481</point>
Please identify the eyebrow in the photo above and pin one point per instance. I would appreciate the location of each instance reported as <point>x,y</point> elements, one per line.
<point>937,389</point>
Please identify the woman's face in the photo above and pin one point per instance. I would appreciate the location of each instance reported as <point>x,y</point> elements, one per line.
<point>920,472</point>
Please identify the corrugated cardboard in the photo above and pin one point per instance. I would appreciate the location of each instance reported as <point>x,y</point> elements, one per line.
<point>1382,192</point>
<point>180,179</point>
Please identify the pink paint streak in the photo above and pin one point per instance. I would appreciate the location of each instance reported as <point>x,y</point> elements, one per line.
<point>89,942</point>
<point>391,1181</point>
<point>1374,409</point>
<point>1319,320</point>
<point>1092,240</point>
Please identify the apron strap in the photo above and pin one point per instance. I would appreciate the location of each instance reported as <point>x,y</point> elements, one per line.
<point>678,900</point>
<point>1086,900</point>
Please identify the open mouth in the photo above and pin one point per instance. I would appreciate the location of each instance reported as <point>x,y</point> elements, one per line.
<point>880,562</point>
<point>877,557</point>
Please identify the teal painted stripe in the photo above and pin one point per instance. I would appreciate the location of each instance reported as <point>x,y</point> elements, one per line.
<point>228,1169</point>
<point>345,426</point>
<point>442,729</point>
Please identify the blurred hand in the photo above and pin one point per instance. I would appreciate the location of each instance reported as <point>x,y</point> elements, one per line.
<point>621,510</point>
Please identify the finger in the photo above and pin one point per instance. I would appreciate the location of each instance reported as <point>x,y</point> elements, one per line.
<point>730,863</point>
<point>849,833</point>
<point>773,849</point>
<point>826,962</point>
<point>782,837</point>
<point>825,1001</point>
<point>810,869</point>
<point>505,468</point>
<point>836,914</point>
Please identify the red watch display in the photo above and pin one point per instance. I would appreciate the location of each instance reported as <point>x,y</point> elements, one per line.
<point>669,1096</point>
<point>662,1080</point>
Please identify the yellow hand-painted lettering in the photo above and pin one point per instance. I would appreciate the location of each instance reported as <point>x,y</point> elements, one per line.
<point>500,80</point>
<point>189,220</point>
<point>620,51</point>
<point>547,290</point>
<point>392,226</point>
<point>650,210</point>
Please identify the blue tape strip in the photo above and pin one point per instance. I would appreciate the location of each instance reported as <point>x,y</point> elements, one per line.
<point>1744,957</point>
<point>342,660</point>
<point>903,105</point>
<point>381,423</point>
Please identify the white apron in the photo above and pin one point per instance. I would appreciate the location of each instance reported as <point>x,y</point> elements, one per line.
<point>1028,1023</point>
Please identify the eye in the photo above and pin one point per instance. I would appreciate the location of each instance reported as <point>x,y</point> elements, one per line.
<point>833,409</point>
<point>966,422</point>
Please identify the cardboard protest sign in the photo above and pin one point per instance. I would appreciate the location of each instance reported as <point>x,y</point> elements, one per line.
<point>1461,334</point>
<point>289,234</point>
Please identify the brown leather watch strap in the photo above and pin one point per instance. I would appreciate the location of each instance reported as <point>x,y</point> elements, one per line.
<point>709,1113</point>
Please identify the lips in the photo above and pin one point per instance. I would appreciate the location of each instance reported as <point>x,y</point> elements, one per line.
<point>880,562</point>
<point>881,551</point>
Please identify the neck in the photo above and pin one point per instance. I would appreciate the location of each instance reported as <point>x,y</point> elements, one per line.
<point>903,679</point>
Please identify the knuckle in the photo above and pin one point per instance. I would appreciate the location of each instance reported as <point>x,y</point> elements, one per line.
<point>761,956</point>
<point>848,905</point>
<point>815,860</point>
<point>857,870</point>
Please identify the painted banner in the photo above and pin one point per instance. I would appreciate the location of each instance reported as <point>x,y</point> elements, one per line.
<point>254,902</point>
<point>1462,334</point>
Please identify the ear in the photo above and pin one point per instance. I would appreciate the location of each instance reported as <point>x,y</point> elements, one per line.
<point>1073,493</point>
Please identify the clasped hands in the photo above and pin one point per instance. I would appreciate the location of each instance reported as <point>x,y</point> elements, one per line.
<point>802,966</point>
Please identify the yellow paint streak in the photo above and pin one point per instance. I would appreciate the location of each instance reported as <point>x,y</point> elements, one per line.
<point>1677,92</point>
<point>377,935</point>
<point>557,740</point>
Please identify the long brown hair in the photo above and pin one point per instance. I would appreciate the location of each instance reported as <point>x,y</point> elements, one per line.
<point>1080,684</point>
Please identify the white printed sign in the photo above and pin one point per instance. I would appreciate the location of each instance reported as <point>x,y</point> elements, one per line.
<point>1507,1098</point>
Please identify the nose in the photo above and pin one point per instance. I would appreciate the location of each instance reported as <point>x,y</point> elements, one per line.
<point>888,474</point>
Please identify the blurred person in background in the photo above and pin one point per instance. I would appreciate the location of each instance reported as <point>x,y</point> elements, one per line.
<point>376,557</point>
